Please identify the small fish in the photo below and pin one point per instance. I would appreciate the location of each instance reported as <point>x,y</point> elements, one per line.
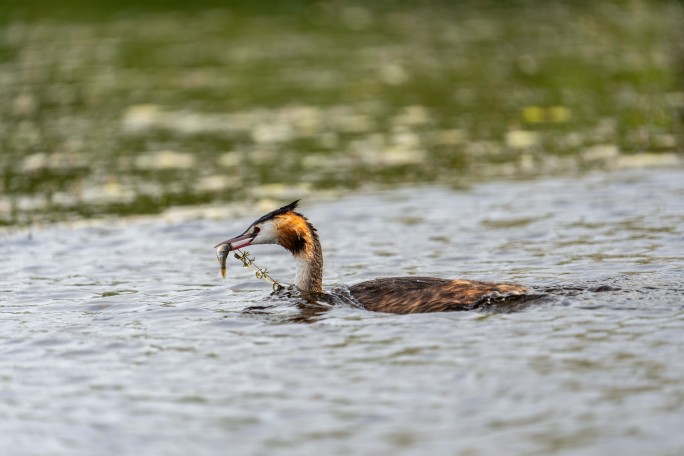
<point>221,254</point>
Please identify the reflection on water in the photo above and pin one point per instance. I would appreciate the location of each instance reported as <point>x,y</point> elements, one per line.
<point>123,338</point>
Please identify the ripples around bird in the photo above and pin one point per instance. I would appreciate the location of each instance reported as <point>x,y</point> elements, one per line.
<point>123,338</point>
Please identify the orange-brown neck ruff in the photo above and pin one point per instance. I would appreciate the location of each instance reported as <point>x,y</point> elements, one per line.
<point>296,234</point>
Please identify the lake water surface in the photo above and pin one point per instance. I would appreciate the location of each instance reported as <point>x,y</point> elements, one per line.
<point>122,338</point>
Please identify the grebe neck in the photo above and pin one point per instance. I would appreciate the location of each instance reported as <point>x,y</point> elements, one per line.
<point>296,234</point>
<point>309,276</point>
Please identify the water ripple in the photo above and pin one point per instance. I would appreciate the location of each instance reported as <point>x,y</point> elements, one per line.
<point>125,339</point>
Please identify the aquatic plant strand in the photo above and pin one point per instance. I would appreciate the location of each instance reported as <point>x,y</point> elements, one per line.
<point>258,272</point>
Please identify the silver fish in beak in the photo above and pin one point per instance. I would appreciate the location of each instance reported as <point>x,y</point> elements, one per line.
<point>225,247</point>
<point>222,251</point>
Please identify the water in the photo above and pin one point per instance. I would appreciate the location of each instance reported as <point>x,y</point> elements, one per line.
<point>121,338</point>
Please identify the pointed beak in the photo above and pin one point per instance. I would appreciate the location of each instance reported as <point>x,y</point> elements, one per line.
<point>237,242</point>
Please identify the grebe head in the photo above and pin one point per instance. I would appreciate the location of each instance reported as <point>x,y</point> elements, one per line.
<point>283,226</point>
<point>292,231</point>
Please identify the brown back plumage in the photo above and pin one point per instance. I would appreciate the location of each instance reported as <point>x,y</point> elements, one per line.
<point>403,295</point>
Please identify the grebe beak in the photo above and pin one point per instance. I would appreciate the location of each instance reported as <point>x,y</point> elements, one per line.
<point>237,242</point>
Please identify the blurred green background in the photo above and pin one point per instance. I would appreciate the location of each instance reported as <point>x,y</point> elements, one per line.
<point>121,107</point>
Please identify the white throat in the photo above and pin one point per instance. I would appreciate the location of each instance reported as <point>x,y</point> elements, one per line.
<point>303,272</point>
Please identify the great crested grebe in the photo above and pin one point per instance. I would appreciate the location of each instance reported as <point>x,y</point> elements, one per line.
<point>400,295</point>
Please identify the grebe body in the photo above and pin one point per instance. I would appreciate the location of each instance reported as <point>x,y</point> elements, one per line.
<point>400,295</point>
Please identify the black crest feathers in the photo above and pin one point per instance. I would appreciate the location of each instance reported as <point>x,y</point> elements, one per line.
<point>287,208</point>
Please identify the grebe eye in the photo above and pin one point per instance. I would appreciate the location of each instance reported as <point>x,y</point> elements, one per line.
<point>256,230</point>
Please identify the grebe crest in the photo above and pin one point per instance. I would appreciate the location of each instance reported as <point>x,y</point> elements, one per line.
<point>294,232</point>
